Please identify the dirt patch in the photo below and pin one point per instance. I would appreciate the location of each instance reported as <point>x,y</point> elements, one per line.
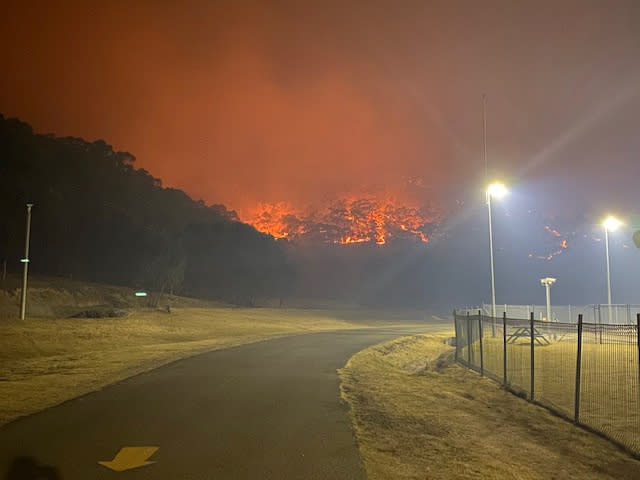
<point>100,312</point>
<point>442,421</point>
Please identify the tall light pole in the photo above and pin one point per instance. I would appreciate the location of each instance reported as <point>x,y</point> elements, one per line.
<point>495,190</point>
<point>611,224</point>
<point>547,282</point>
<point>25,261</point>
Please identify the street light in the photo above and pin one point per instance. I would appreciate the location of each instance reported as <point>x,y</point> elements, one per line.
<point>495,190</point>
<point>610,224</point>
<point>547,282</point>
<point>25,262</point>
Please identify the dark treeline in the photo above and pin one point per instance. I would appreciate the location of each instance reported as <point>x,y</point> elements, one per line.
<point>98,218</point>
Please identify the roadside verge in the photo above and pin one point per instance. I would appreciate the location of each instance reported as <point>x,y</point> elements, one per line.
<point>418,415</point>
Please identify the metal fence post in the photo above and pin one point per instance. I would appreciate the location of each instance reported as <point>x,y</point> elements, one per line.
<point>493,325</point>
<point>480,335</point>
<point>533,369</point>
<point>576,406</point>
<point>600,324</point>
<point>638,340</point>
<point>468,339</point>
<point>455,325</point>
<point>504,348</point>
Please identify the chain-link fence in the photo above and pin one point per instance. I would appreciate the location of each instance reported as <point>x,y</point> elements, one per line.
<point>600,314</point>
<point>586,372</point>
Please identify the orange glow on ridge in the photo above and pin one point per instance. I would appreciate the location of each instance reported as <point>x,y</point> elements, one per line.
<point>349,220</point>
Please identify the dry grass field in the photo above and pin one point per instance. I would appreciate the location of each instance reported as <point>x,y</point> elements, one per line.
<point>418,415</point>
<point>609,393</point>
<point>46,361</point>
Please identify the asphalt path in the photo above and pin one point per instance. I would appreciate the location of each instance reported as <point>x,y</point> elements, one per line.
<point>268,410</point>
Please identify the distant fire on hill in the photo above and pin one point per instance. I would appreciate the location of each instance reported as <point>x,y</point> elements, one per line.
<point>348,220</point>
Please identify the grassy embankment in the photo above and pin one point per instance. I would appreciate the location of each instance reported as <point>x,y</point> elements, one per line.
<point>418,415</point>
<point>46,360</point>
<point>609,395</point>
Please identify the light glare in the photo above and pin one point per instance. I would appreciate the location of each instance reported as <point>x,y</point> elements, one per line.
<point>497,190</point>
<point>612,224</point>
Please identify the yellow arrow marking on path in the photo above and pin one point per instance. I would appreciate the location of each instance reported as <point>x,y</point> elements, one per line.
<point>130,457</point>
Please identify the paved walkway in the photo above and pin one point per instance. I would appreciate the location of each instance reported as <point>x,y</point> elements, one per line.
<point>270,410</point>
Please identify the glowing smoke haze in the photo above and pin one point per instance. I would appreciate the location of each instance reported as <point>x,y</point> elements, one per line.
<point>309,105</point>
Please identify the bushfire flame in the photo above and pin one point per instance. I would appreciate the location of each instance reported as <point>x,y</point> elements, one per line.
<point>562,245</point>
<point>349,220</point>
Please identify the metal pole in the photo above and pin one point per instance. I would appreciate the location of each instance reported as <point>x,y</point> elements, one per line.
<point>25,261</point>
<point>600,323</point>
<point>638,340</point>
<point>548,289</point>
<point>480,335</point>
<point>455,322</point>
<point>468,340</point>
<point>533,363</point>
<point>504,348</point>
<point>606,241</point>
<point>484,136</point>
<point>576,403</point>
<point>493,281</point>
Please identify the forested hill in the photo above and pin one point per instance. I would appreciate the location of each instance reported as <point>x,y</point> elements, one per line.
<point>97,217</point>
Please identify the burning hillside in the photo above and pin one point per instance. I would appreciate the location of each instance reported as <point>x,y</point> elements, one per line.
<point>347,221</point>
<point>382,219</point>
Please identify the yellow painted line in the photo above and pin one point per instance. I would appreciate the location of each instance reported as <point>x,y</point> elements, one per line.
<point>130,457</point>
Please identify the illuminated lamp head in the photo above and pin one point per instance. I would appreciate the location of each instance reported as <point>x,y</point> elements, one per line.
<point>611,224</point>
<point>497,190</point>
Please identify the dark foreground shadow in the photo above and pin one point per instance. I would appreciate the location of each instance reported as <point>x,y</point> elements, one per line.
<point>27,468</point>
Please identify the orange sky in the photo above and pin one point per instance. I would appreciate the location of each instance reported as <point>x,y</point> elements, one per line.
<point>240,102</point>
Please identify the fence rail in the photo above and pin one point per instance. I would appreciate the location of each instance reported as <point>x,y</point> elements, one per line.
<point>600,314</point>
<point>587,372</point>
